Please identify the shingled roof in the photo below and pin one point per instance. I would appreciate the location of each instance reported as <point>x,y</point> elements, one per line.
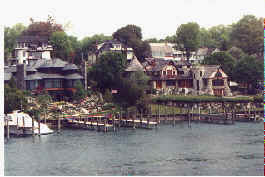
<point>135,65</point>
<point>32,39</point>
<point>210,69</point>
<point>70,66</point>
<point>53,63</point>
<point>74,76</point>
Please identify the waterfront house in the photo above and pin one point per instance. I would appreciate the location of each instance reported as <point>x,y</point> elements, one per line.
<point>34,69</point>
<point>181,76</point>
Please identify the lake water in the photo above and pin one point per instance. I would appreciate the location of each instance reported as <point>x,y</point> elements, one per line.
<point>204,149</point>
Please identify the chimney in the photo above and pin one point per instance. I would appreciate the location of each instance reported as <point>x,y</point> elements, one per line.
<point>20,76</point>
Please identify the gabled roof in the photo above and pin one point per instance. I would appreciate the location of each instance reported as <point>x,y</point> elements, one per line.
<point>35,76</point>
<point>70,66</point>
<point>32,39</point>
<point>209,70</point>
<point>135,65</point>
<point>74,76</point>
<point>53,63</point>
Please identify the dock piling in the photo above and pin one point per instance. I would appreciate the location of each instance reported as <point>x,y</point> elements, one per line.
<point>32,129</point>
<point>7,127</point>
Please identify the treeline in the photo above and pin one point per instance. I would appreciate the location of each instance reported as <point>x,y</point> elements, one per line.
<point>245,35</point>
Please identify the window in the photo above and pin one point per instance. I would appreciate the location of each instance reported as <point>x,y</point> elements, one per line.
<point>218,82</point>
<point>180,72</point>
<point>24,53</point>
<point>31,85</point>
<point>164,73</point>
<point>170,83</point>
<point>169,72</point>
<point>205,82</point>
<point>174,73</point>
<point>53,83</point>
<point>200,73</point>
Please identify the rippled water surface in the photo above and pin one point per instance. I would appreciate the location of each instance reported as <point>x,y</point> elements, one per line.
<point>204,149</point>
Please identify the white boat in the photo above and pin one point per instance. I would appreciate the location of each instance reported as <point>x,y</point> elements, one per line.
<point>17,120</point>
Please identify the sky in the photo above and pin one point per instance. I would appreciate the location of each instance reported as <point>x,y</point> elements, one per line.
<point>157,18</point>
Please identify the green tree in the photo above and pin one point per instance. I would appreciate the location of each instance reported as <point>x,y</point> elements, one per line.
<point>220,36</point>
<point>131,36</point>
<point>131,91</point>
<point>44,99</point>
<point>80,92</point>
<point>10,36</point>
<point>205,39</point>
<point>13,99</point>
<point>248,70</point>
<point>152,40</point>
<point>188,38</point>
<point>236,53</point>
<point>107,70</point>
<point>75,56</point>
<point>89,43</point>
<point>171,39</point>
<point>223,59</point>
<point>247,34</point>
<point>61,45</point>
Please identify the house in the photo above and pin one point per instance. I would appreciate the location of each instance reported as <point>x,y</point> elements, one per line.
<point>30,48</point>
<point>114,46</point>
<point>181,75</point>
<point>169,52</point>
<point>210,79</point>
<point>36,71</point>
<point>166,74</point>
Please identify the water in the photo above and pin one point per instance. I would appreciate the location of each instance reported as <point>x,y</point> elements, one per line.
<point>205,149</point>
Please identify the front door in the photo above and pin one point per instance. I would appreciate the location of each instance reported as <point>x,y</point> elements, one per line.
<point>218,92</point>
<point>158,84</point>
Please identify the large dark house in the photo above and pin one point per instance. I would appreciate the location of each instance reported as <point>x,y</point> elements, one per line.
<point>37,74</point>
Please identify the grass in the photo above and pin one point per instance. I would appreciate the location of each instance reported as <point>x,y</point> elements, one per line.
<point>205,99</point>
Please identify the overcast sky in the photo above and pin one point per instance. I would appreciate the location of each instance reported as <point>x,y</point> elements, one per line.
<point>157,18</point>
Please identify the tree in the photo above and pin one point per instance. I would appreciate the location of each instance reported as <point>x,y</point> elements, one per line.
<point>41,28</point>
<point>13,99</point>
<point>44,99</point>
<point>88,44</point>
<point>131,36</point>
<point>10,36</point>
<point>236,53</point>
<point>80,92</point>
<point>107,70</point>
<point>248,70</point>
<point>61,45</point>
<point>170,39</point>
<point>223,59</point>
<point>131,91</point>
<point>152,40</point>
<point>247,34</point>
<point>188,38</point>
<point>220,36</point>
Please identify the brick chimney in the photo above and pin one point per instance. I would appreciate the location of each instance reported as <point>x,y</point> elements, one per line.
<point>20,76</point>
